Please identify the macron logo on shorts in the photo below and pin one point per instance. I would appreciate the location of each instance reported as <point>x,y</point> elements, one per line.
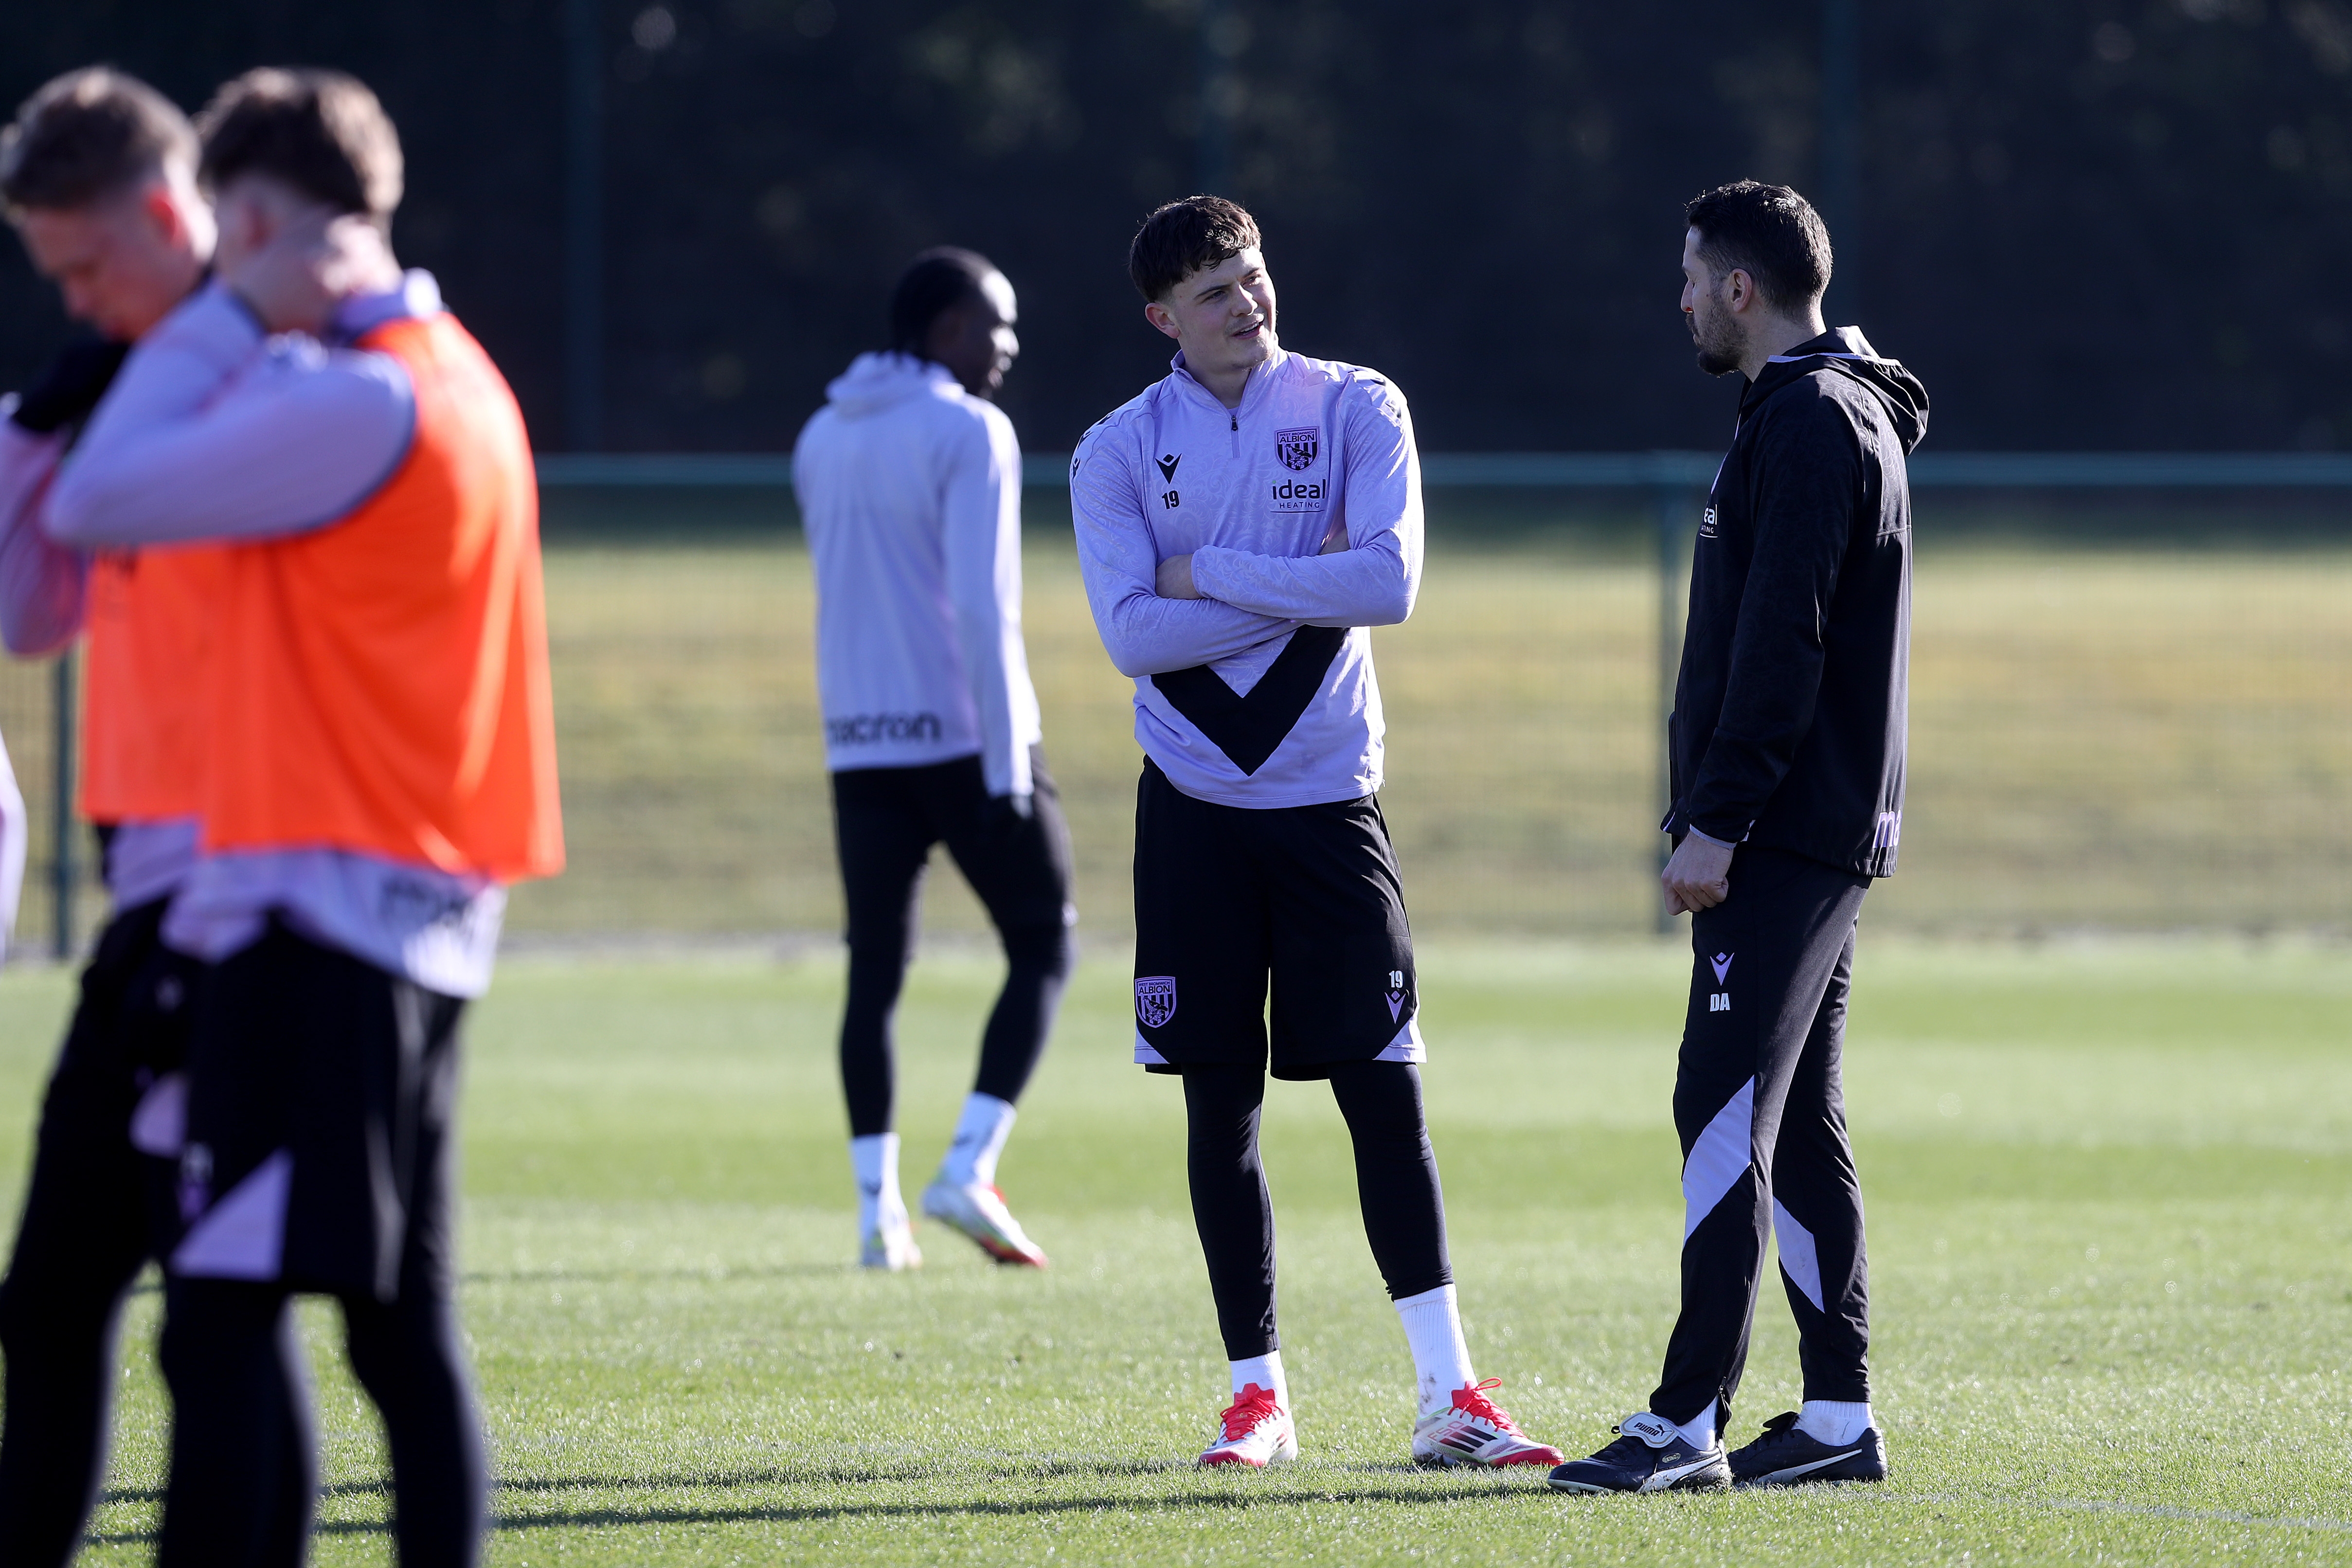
<point>1721,965</point>
<point>1155,1000</point>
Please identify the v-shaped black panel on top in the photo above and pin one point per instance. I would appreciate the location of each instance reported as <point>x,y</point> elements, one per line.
<point>1248,728</point>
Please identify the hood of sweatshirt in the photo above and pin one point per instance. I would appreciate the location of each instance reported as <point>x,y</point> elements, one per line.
<point>876,383</point>
<point>1845,351</point>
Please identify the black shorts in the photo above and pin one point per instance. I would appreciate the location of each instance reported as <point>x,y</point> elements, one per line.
<point>322,1095</point>
<point>886,819</point>
<point>1226,897</point>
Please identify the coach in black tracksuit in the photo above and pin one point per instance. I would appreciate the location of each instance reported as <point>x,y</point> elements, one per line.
<point>1787,744</point>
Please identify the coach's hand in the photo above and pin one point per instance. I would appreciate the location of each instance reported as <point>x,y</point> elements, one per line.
<point>1175,581</point>
<point>1697,876</point>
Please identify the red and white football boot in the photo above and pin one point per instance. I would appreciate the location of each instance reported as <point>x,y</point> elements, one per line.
<point>1475,1430</point>
<point>1254,1431</point>
<point>979,1213</point>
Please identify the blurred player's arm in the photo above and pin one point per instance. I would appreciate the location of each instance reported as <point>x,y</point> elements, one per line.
<point>1366,576</point>
<point>1144,633</point>
<point>43,586</point>
<point>982,546</point>
<point>212,432</point>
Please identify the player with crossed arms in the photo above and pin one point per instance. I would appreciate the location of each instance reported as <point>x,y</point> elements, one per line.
<point>1241,525</point>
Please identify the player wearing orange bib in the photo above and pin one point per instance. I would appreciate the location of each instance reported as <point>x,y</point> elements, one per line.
<point>381,766</point>
<point>98,176</point>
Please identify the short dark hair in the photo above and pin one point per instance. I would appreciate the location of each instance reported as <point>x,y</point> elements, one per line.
<point>1768,232</point>
<point>321,131</point>
<point>86,135</point>
<point>1181,237</point>
<point>935,282</point>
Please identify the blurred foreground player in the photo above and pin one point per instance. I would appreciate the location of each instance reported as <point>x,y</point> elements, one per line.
<point>909,482</point>
<point>1240,524</point>
<point>381,765</point>
<point>1785,745</point>
<point>98,174</point>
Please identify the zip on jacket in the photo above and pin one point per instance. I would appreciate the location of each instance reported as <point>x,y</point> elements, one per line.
<point>1791,704</point>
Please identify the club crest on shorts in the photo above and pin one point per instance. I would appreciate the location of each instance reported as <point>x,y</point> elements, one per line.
<point>1155,1000</point>
<point>1297,448</point>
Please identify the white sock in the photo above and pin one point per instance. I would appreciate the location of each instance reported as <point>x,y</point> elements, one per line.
<point>873,1159</point>
<point>1265,1370</point>
<point>1699,1430</point>
<point>980,1135</point>
<point>1835,1421</point>
<point>1441,1357</point>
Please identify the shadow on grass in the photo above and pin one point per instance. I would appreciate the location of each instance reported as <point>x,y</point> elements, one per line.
<point>803,1513</point>
<point>607,1275</point>
<point>1411,1484</point>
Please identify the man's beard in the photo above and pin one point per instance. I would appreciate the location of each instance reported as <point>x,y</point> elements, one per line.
<point>1718,352</point>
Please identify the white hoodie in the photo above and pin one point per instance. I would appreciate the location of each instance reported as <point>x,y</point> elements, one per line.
<point>910,491</point>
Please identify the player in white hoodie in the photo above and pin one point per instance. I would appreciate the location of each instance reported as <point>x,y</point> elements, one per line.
<point>909,483</point>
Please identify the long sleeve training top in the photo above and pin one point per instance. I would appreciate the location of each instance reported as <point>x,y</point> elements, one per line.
<point>910,491</point>
<point>45,602</point>
<point>1260,692</point>
<point>215,431</point>
<point>1791,704</point>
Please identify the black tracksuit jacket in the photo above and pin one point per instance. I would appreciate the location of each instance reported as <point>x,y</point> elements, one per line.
<point>1789,710</point>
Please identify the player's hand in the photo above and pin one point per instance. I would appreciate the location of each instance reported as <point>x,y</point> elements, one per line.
<point>1175,578</point>
<point>1336,540</point>
<point>999,813</point>
<point>65,392</point>
<point>319,260</point>
<point>1697,874</point>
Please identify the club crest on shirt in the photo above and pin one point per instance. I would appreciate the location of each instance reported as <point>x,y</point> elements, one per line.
<point>1155,1000</point>
<point>1297,448</point>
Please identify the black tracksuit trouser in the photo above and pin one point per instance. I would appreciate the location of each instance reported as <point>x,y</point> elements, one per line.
<point>95,1210</point>
<point>1760,1109</point>
<point>885,821</point>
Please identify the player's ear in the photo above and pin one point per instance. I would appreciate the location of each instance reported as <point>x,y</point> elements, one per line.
<point>1162,320</point>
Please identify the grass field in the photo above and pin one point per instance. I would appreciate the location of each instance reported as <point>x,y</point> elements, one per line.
<point>2112,1280</point>
<point>2117,739</point>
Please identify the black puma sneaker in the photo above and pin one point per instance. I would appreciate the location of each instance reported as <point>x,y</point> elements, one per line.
<point>1651,1454</point>
<point>1785,1456</point>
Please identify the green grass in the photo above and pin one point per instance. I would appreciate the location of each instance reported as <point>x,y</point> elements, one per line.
<point>2111,1275</point>
<point>2100,738</point>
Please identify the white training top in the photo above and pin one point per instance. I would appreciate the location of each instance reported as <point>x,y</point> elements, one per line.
<point>910,491</point>
<point>1282,714</point>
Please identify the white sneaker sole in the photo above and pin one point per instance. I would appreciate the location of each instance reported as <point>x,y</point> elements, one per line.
<point>1284,1454</point>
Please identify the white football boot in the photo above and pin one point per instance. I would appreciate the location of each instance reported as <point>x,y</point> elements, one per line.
<point>1475,1430</point>
<point>890,1244</point>
<point>978,1210</point>
<point>1254,1431</point>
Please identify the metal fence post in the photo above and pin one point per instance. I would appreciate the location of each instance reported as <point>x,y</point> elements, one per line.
<point>1670,501</point>
<point>63,744</point>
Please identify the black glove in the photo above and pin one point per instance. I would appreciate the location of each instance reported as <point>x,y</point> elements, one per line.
<point>71,387</point>
<point>999,813</point>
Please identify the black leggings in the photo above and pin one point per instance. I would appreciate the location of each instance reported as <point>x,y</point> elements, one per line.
<point>95,1210</point>
<point>237,1445</point>
<point>885,821</point>
<point>1396,1181</point>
